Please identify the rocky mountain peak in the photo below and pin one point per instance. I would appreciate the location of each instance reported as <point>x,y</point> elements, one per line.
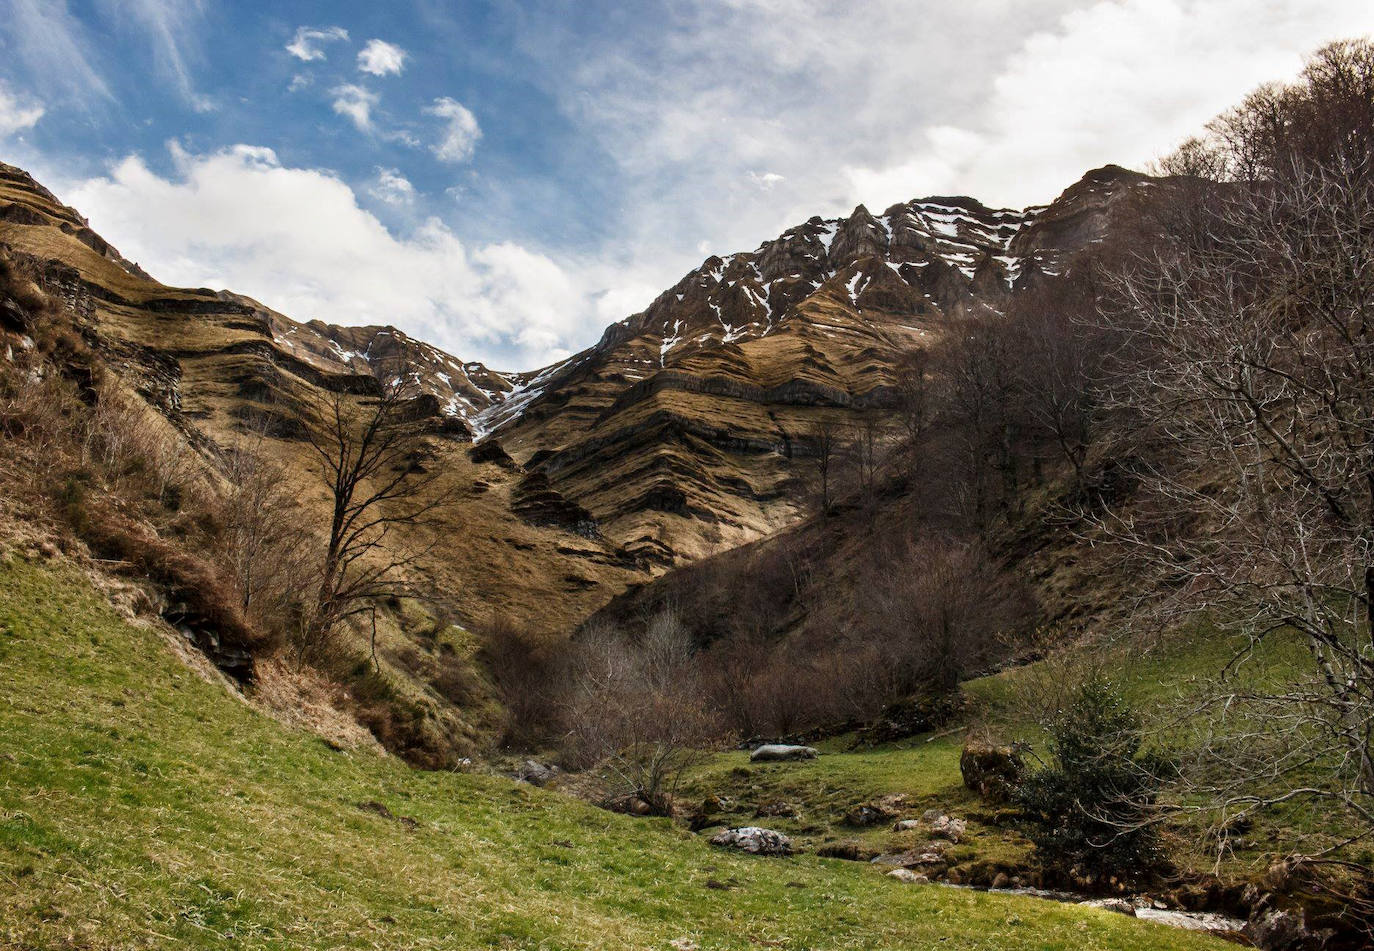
<point>858,236</point>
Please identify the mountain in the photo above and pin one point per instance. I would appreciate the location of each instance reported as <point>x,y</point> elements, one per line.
<point>210,361</point>
<point>687,430</point>
<point>681,431</point>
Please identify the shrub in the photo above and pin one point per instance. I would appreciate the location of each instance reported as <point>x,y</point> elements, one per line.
<point>1090,810</point>
<point>199,597</point>
<point>637,708</point>
<point>529,676</point>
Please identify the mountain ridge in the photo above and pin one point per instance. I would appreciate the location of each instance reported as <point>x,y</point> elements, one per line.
<point>684,430</point>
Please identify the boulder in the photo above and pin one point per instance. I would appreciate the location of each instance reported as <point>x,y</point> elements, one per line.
<point>867,814</point>
<point>776,808</point>
<point>1279,930</point>
<point>536,773</point>
<point>781,752</point>
<point>993,772</point>
<point>879,812</point>
<point>905,825</point>
<point>908,876</point>
<point>714,805</point>
<point>754,840</point>
<point>948,827</point>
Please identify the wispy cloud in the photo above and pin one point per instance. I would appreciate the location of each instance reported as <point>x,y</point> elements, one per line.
<point>356,104</point>
<point>55,51</point>
<point>173,29</point>
<point>308,41</point>
<point>381,58</point>
<point>392,187</point>
<point>461,131</point>
<point>17,112</point>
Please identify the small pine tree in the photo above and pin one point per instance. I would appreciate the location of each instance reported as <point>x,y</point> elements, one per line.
<point>1089,810</point>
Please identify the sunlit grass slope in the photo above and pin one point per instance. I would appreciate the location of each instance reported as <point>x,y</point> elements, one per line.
<point>141,806</point>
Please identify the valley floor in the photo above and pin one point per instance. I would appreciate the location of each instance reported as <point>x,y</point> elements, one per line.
<point>143,806</point>
<point>810,800</point>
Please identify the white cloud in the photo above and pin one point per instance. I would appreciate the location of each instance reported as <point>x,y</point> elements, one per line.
<point>392,187</point>
<point>381,58</point>
<point>460,133</point>
<point>1117,81</point>
<point>355,103</point>
<point>298,240</point>
<point>305,46</point>
<point>300,81</point>
<point>17,113</point>
<point>877,101</point>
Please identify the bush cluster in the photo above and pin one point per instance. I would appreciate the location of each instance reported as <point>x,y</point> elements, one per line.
<point>1091,808</point>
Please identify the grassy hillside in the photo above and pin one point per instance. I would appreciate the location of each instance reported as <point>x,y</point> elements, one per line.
<point>141,805</point>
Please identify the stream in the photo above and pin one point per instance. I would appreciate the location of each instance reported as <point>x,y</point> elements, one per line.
<point>1188,920</point>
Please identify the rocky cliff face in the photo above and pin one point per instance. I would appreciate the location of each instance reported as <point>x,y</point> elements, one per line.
<point>682,431</point>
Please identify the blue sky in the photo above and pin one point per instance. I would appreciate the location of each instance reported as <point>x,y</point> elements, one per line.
<point>505,178</point>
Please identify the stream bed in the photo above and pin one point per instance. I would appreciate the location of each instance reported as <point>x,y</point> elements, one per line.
<point>1175,918</point>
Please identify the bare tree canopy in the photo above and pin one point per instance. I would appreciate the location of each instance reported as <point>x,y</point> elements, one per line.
<point>370,458</point>
<point>1255,322</point>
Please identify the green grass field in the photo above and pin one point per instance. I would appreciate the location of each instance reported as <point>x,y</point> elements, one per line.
<point>141,806</point>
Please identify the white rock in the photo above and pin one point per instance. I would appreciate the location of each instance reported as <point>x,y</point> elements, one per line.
<point>948,827</point>
<point>782,751</point>
<point>908,876</point>
<point>755,840</point>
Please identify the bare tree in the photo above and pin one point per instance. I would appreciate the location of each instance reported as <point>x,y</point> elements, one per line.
<point>638,708</point>
<point>270,550</point>
<point>1258,394</point>
<point>863,452</point>
<point>825,442</point>
<point>369,455</point>
<point>977,369</point>
<point>915,400</point>
<point>944,608</point>
<point>1058,370</point>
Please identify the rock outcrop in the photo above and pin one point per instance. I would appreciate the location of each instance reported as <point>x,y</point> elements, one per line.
<point>754,840</point>
<point>771,752</point>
